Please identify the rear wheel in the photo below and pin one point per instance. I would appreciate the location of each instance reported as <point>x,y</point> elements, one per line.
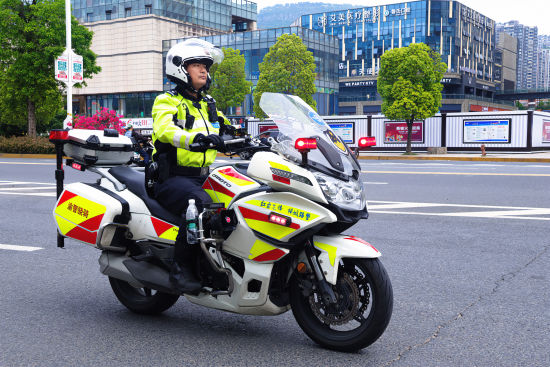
<point>363,311</point>
<point>144,301</point>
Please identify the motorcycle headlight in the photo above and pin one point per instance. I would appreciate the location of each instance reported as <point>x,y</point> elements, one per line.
<point>347,195</point>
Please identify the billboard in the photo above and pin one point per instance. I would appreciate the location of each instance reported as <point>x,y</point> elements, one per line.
<point>486,131</point>
<point>546,131</point>
<point>396,132</point>
<point>344,130</point>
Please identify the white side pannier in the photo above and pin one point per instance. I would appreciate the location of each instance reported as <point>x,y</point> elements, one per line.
<point>99,147</point>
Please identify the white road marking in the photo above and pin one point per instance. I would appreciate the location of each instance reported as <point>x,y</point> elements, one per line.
<point>374,183</point>
<point>27,188</point>
<point>503,212</point>
<point>23,188</point>
<point>29,193</point>
<point>25,182</point>
<point>38,163</point>
<point>20,248</point>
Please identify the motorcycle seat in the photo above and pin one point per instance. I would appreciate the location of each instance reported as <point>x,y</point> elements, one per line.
<point>135,182</point>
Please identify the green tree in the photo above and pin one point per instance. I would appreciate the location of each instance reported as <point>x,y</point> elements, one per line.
<point>287,68</point>
<point>32,35</point>
<point>409,82</point>
<point>229,84</point>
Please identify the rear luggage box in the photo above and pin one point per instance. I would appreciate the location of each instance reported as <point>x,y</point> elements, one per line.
<point>98,147</point>
<point>89,215</point>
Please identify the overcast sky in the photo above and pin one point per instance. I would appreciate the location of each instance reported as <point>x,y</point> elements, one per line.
<point>528,12</point>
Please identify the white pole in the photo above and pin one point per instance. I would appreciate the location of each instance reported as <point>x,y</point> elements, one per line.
<point>69,119</point>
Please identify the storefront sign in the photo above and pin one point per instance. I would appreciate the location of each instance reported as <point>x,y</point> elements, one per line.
<point>362,83</point>
<point>138,123</point>
<point>396,132</point>
<point>546,131</point>
<point>358,16</point>
<point>344,130</point>
<point>487,131</point>
<point>480,108</point>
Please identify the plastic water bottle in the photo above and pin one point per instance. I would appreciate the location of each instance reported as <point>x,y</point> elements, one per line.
<point>191,219</point>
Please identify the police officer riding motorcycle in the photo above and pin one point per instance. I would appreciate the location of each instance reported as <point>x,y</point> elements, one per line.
<point>181,117</point>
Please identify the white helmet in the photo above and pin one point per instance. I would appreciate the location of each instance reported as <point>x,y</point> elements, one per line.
<point>193,50</point>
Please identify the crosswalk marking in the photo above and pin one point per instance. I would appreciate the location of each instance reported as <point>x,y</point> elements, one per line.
<point>436,209</point>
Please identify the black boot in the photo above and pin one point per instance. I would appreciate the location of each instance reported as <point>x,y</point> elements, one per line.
<point>183,279</point>
<point>182,276</point>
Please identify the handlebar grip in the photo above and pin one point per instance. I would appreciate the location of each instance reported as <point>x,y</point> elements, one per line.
<point>200,147</point>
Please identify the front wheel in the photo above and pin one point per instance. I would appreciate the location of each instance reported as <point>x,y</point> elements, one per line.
<point>144,301</point>
<point>363,311</point>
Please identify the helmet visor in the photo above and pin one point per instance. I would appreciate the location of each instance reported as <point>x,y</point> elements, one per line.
<point>215,52</point>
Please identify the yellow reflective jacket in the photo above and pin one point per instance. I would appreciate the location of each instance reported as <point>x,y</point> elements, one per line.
<point>170,134</point>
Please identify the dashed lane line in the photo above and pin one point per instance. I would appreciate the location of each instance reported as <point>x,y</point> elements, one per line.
<point>37,163</point>
<point>19,248</point>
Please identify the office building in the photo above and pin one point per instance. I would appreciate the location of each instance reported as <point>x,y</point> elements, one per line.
<point>506,54</point>
<point>527,52</point>
<point>128,39</point>
<point>464,38</point>
<point>255,44</point>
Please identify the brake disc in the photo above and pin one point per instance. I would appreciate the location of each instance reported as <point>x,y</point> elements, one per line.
<point>349,300</point>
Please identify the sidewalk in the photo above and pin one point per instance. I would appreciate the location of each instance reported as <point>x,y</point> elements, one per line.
<point>534,157</point>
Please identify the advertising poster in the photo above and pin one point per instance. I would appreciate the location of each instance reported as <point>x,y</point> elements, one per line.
<point>344,130</point>
<point>77,69</point>
<point>546,131</point>
<point>61,69</point>
<point>396,132</point>
<point>265,127</point>
<point>487,131</point>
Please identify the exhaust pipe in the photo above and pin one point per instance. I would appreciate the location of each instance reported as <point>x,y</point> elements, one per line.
<point>111,264</point>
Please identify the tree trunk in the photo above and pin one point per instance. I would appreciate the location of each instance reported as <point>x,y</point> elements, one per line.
<point>409,135</point>
<point>31,119</point>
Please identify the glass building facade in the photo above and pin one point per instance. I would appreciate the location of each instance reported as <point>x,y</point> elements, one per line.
<point>464,38</point>
<point>216,14</point>
<point>254,45</point>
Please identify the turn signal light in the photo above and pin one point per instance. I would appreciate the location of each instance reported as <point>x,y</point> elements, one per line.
<point>57,134</point>
<point>305,144</point>
<point>367,141</point>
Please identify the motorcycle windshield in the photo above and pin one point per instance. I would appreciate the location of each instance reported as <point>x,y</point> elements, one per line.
<point>296,119</point>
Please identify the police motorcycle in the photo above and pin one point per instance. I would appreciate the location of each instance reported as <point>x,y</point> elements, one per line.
<point>270,241</point>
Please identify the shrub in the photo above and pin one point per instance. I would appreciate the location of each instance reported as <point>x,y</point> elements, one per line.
<point>26,145</point>
<point>102,120</point>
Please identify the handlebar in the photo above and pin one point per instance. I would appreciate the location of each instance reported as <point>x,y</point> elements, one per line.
<point>201,147</point>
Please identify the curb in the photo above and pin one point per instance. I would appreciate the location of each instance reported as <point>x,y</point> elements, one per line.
<point>36,156</point>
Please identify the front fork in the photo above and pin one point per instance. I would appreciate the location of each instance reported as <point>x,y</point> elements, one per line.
<point>324,287</point>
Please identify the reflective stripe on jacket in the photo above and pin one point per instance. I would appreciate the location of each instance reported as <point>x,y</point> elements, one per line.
<point>167,131</point>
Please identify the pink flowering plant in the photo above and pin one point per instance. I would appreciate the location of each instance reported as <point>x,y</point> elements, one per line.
<point>104,119</point>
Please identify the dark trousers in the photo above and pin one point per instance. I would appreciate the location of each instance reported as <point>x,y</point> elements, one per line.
<point>174,194</point>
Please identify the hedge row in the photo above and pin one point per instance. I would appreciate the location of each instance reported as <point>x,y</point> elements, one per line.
<point>26,145</point>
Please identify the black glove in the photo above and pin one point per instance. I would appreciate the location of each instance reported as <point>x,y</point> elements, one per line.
<point>215,140</point>
<point>227,129</point>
